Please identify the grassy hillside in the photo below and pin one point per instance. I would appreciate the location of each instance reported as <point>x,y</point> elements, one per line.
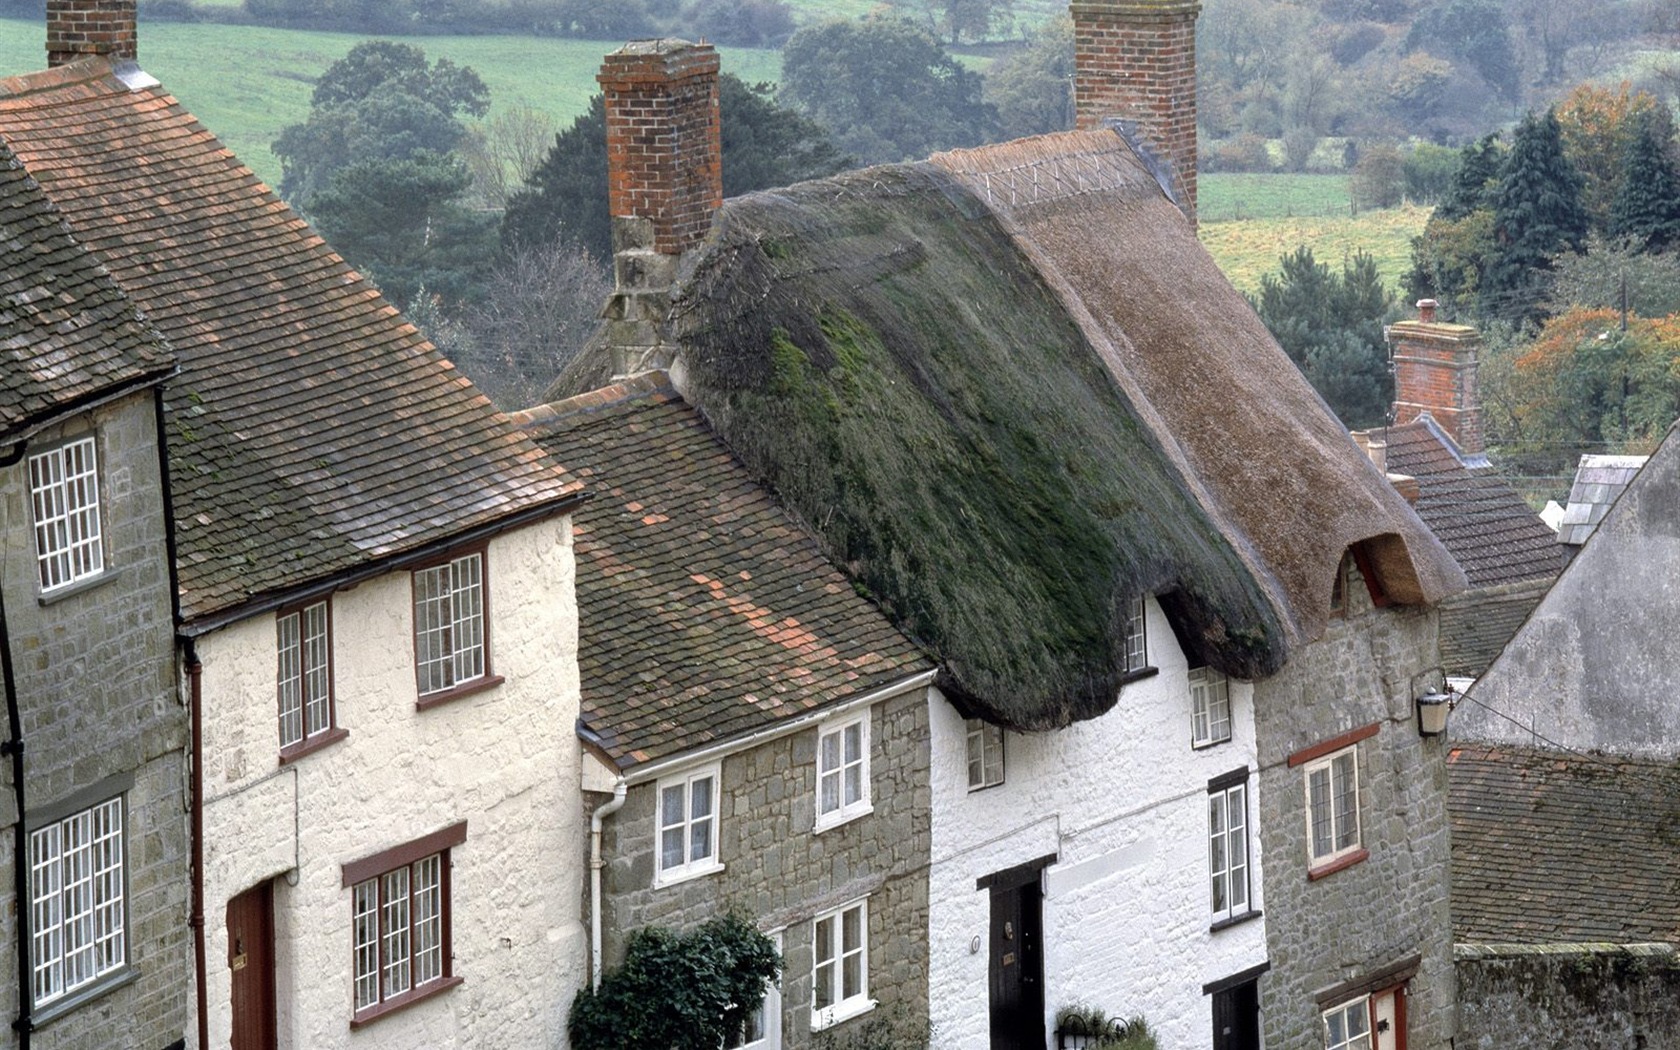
<point>1248,221</point>
<point>246,82</point>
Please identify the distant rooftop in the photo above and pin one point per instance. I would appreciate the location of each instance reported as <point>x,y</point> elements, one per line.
<point>1599,480</point>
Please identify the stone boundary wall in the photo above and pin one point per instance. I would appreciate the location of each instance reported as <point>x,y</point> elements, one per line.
<point>1582,996</point>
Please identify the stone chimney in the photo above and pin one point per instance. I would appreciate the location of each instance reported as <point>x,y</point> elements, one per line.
<point>90,27</point>
<point>1435,372</point>
<point>1135,61</point>
<point>664,182</point>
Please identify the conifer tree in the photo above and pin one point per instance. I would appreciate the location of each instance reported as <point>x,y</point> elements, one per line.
<point>1537,214</point>
<point>1473,183</point>
<point>1646,210</point>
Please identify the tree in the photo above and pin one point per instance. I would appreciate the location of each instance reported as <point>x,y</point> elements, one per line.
<point>1472,185</point>
<point>1646,210</point>
<point>1033,88</point>
<point>1598,125</point>
<point>502,152</point>
<point>885,89</point>
<point>742,23</point>
<point>1474,32</point>
<point>1611,274</point>
<point>1330,325</point>
<point>403,222</point>
<point>380,102</point>
<point>692,991</point>
<point>764,145</point>
<point>1537,214</point>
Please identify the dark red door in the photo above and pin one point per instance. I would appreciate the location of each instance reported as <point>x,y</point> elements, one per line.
<point>250,931</point>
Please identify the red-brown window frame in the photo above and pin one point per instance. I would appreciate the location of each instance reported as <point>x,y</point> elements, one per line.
<point>334,732</point>
<point>442,842</point>
<point>489,679</point>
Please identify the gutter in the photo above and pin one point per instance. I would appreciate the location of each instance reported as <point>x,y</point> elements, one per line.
<point>596,819</point>
<point>13,746</point>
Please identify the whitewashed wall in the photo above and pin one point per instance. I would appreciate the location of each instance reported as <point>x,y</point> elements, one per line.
<point>504,760</point>
<point>1122,802</point>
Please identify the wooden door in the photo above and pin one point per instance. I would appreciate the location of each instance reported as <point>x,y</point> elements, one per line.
<point>1017,967</point>
<point>250,938</point>
<point>1236,1017</point>
<point>1388,1018</point>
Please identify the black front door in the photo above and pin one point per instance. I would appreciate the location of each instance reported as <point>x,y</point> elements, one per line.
<point>1236,1017</point>
<point>1017,968</point>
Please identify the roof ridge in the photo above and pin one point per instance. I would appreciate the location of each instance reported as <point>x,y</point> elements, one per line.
<point>557,413</point>
<point>85,70</point>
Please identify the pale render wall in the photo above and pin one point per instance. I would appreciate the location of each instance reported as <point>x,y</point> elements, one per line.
<point>504,760</point>
<point>1121,801</point>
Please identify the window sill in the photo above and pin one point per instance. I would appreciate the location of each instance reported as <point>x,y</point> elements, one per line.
<point>975,788</point>
<point>830,1016</point>
<point>81,586</point>
<point>459,692</point>
<point>1234,920</point>
<point>1331,867</point>
<point>310,745</point>
<point>81,997</point>
<point>1139,675</point>
<point>1203,745</point>
<point>402,1002</point>
<point>841,818</point>
<point>678,875</point>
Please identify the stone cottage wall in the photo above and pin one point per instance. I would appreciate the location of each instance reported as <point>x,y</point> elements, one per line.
<point>1391,907</point>
<point>96,689</point>
<point>780,874</point>
<point>1585,997</point>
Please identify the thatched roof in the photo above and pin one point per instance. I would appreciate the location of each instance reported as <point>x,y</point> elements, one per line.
<point>1007,420</point>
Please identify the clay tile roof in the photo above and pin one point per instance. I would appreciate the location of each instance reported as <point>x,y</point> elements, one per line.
<point>312,430</point>
<point>67,334</point>
<point>711,613</point>
<point>1554,847</point>
<point>1599,480</point>
<point>1480,519</point>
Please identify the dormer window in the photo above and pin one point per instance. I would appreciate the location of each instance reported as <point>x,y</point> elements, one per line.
<point>1137,641</point>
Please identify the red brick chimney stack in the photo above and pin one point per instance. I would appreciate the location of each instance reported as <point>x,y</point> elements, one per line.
<point>1135,60</point>
<point>1435,371</point>
<point>90,27</point>
<point>664,150</point>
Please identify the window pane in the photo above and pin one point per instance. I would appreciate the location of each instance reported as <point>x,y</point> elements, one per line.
<point>701,793</point>
<point>428,919</point>
<point>854,784</point>
<point>1318,792</point>
<point>468,605</point>
<point>1347,800</point>
<point>394,932</point>
<point>290,648</point>
<point>700,840</point>
<point>44,884</point>
<point>318,714</point>
<point>671,848</point>
<point>1238,851</point>
<point>365,934</point>
<point>822,992</point>
<point>854,742</point>
<point>435,667</point>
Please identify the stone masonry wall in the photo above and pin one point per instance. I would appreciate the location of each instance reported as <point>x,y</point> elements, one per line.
<point>1585,997</point>
<point>781,874</point>
<point>95,681</point>
<point>1135,60</point>
<point>1392,906</point>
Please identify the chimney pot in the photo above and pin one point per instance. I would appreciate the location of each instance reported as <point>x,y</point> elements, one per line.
<point>1426,310</point>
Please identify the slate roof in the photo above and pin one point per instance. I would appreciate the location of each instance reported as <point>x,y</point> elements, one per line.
<point>1484,523</point>
<point>312,430</point>
<point>67,334</point>
<point>1555,847</point>
<point>1599,480</point>
<point>710,611</point>
<point>1010,392</point>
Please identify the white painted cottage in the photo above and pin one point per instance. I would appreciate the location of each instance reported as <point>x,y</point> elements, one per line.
<point>376,615</point>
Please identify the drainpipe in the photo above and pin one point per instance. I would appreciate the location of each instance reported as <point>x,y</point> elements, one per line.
<point>605,810</point>
<point>20,841</point>
<point>195,698</point>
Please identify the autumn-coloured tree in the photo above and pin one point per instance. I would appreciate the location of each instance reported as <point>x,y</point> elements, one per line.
<point>1597,125</point>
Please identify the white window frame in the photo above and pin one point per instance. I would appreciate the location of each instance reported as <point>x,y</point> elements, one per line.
<point>64,499</point>
<point>985,754</point>
<point>692,864</point>
<point>303,642</point>
<point>842,805</point>
<point>1137,636</point>
<point>830,972</point>
<point>1327,780</point>
<point>78,894</point>
<point>1210,707</point>
<point>766,1031</point>
<point>1229,854</point>
<point>1347,1038</point>
<point>450,628</point>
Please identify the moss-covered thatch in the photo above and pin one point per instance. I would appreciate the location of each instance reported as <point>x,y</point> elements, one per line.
<point>877,348</point>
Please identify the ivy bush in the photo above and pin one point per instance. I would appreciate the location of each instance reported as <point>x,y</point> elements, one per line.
<point>689,991</point>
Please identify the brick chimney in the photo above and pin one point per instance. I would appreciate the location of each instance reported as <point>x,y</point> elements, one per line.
<point>1435,371</point>
<point>90,27</point>
<point>1135,61</point>
<point>664,182</point>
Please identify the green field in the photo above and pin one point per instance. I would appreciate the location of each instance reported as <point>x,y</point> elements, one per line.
<point>246,83</point>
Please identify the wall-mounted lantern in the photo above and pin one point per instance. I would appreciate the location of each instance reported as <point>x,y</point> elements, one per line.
<point>1432,711</point>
